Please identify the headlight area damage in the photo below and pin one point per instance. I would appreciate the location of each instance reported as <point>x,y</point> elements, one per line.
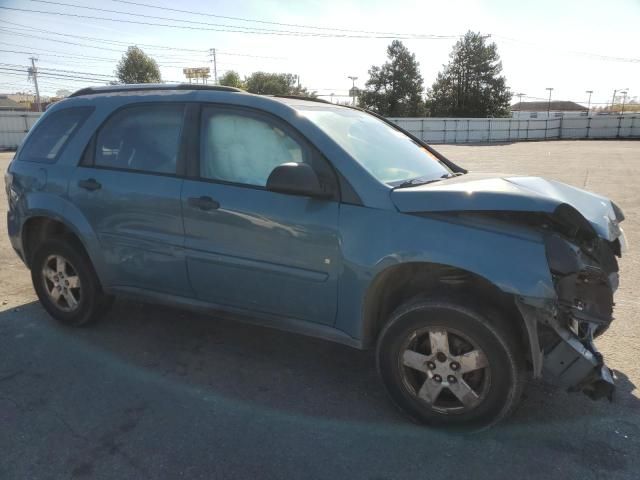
<point>585,275</point>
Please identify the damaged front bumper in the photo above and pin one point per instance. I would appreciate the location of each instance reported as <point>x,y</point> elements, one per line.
<point>561,331</point>
<point>559,354</point>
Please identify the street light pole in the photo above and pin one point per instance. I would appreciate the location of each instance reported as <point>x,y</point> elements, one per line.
<point>624,97</point>
<point>613,99</point>
<point>589,104</point>
<point>353,88</point>
<point>549,103</point>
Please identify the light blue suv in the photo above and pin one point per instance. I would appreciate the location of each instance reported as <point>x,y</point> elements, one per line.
<point>324,220</point>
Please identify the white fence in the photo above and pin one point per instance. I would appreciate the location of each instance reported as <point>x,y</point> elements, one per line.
<point>14,126</point>
<point>487,130</point>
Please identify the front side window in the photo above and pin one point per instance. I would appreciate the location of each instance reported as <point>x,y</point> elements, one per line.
<point>142,138</point>
<point>386,153</point>
<point>239,147</point>
<point>48,140</point>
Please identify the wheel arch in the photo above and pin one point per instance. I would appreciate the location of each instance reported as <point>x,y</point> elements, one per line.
<point>402,282</point>
<point>41,226</point>
<point>45,213</point>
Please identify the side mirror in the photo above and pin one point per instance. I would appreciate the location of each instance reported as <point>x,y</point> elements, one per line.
<point>296,179</point>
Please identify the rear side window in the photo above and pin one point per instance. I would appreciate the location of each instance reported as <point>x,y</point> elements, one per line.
<point>48,140</point>
<point>143,138</point>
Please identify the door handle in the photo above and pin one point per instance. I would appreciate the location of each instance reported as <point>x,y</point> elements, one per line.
<point>90,184</point>
<point>203,203</point>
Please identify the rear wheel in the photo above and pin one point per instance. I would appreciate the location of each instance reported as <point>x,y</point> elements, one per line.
<point>446,364</point>
<point>66,283</point>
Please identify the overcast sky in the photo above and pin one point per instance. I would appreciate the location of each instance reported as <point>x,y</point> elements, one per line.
<point>572,46</point>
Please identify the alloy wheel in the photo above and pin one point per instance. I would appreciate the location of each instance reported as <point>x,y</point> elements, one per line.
<point>444,369</point>
<point>62,283</point>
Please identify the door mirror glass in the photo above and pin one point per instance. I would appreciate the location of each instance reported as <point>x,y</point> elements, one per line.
<point>296,179</point>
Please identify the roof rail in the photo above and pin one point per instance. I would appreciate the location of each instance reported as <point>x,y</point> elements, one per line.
<point>150,87</point>
<point>302,97</point>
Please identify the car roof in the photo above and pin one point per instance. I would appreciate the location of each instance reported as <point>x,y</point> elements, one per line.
<point>294,101</point>
<point>139,87</point>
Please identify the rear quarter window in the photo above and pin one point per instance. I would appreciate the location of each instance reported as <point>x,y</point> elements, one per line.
<point>52,134</point>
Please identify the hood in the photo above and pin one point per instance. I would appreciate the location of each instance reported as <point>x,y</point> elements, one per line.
<point>505,193</point>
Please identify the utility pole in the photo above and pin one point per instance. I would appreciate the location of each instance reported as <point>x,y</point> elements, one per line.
<point>353,88</point>
<point>549,103</point>
<point>589,104</point>
<point>624,97</point>
<point>33,73</point>
<point>212,51</point>
<point>520,95</point>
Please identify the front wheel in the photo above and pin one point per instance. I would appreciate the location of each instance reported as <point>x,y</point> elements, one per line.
<point>446,364</point>
<point>66,284</point>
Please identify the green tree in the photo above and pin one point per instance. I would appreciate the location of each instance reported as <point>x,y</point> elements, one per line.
<point>135,66</point>
<point>231,79</point>
<point>264,83</point>
<point>395,89</point>
<point>470,84</point>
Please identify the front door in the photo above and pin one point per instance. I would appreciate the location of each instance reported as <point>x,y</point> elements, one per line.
<point>250,248</point>
<point>128,190</point>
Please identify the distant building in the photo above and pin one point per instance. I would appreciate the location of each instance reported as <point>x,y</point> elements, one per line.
<point>21,97</point>
<point>6,104</point>
<point>556,109</point>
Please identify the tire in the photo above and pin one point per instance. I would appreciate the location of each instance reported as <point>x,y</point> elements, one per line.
<point>487,358</point>
<point>90,302</point>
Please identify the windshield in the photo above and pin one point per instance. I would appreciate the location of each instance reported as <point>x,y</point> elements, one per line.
<point>386,153</point>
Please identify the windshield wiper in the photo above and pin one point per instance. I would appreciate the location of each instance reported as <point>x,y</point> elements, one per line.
<point>414,182</point>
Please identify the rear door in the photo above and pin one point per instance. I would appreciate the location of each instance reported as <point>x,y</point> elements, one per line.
<point>128,187</point>
<point>250,248</point>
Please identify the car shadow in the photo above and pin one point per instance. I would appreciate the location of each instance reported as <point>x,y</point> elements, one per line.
<point>267,369</point>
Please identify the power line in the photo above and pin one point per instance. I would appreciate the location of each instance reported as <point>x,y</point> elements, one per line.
<point>59,41</point>
<point>166,57</point>
<point>16,71</point>
<point>231,29</point>
<point>24,52</point>
<point>57,72</point>
<point>84,45</point>
<point>572,52</point>
<point>255,30</point>
<point>171,58</point>
<point>155,17</point>
<point>43,53</point>
<point>123,43</point>
<point>95,39</point>
<point>314,27</point>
